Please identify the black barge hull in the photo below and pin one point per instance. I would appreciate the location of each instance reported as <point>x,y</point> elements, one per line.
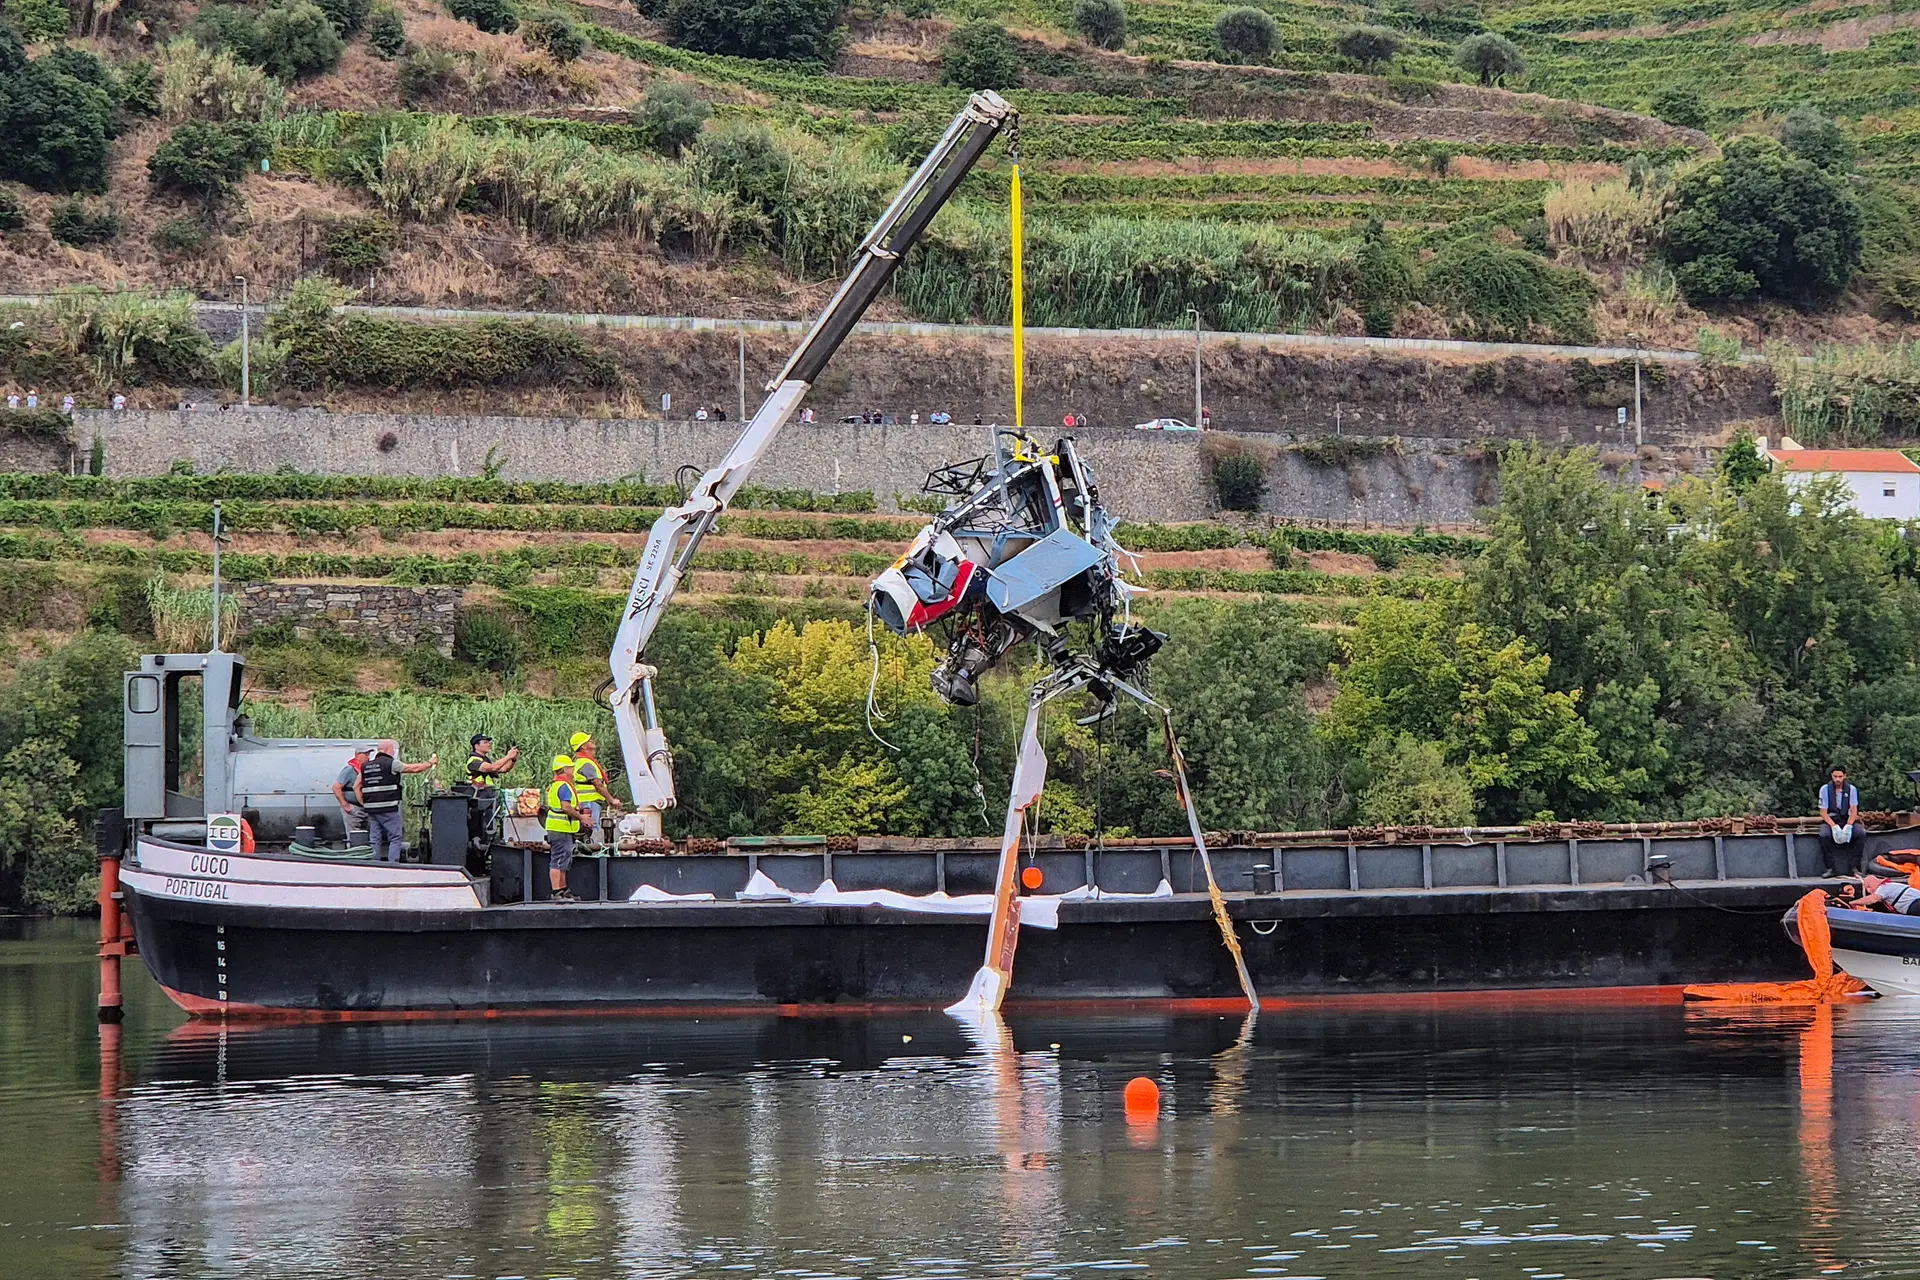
<point>236,960</point>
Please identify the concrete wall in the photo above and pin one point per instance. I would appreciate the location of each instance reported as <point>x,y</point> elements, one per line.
<point>381,617</point>
<point>1142,475</point>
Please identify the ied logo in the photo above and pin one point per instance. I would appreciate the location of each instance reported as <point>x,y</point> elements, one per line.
<point>223,832</point>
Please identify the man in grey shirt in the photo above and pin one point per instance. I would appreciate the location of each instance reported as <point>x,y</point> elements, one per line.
<point>352,816</point>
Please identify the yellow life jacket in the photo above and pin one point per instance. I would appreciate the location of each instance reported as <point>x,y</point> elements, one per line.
<point>586,781</point>
<point>557,820</point>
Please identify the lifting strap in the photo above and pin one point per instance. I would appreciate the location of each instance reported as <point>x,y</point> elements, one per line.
<point>1018,235</point>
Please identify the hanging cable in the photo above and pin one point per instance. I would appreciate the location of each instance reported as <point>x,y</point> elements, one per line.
<point>873,685</point>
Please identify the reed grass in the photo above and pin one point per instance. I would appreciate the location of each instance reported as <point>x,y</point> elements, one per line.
<point>1604,221</point>
<point>183,616</point>
<point>1848,394</point>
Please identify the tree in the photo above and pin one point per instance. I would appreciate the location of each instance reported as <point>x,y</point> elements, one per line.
<point>670,117</point>
<point>980,55</point>
<point>1762,221</point>
<point>1681,105</point>
<point>556,34</point>
<point>493,16</point>
<point>347,16</point>
<point>1482,697</point>
<point>207,160</point>
<point>296,40</point>
<point>1490,56</point>
<point>1246,32</point>
<point>1742,464</point>
<point>1369,46</point>
<point>60,742</point>
<point>793,30</point>
<point>39,20</point>
<point>1102,22</point>
<point>387,33</point>
<point>1817,139</point>
<point>1409,782</point>
<point>56,117</point>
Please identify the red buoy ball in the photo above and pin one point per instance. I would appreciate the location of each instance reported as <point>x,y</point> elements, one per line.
<point>1142,1098</point>
<point>1032,878</point>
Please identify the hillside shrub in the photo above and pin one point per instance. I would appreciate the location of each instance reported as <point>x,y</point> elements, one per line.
<point>1761,221</point>
<point>1369,46</point>
<point>1102,23</point>
<point>75,222</point>
<point>326,347</point>
<point>1239,479</point>
<point>387,33</point>
<point>1499,294</point>
<point>139,88</point>
<point>225,26</point>
<point>296,40</point>
<point>13,210</point>
<point>347,16</point>
<point>198,83</point>
<point>425,74</point>
<point>132,337</point>
<point>557,35</point>
<point>57,115</point>
<point>1681,105</point>
<point>1246,32</point>
<point>670,117</point>
<point>1816,139</point>
<point>207,160</point>
<point>790,30</point>
<point>38,20</point>
<point>177,237</point>
<point>489,640</point>
<point>1490,56</point>
<point>359,244</point>
<point>980,55</point>
<point>493,16</point>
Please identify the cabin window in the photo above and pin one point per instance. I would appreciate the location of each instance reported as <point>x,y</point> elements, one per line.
<point>143,695</point>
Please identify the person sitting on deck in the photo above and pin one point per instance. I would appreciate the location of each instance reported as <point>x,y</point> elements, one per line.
<point>1840,825</point>
<point>482,769</point>
<point>1881,894</point>
<point>563,826</point>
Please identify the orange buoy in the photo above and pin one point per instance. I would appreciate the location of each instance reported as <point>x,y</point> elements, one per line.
<point>1142,1097</point>
<point>1031,877</point>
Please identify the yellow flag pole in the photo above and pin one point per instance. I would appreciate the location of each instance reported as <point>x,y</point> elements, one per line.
<point>1019,307</point>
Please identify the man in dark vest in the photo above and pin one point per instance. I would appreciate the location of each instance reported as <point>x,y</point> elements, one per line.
<point>379,794</point>
<point>1840,825</point>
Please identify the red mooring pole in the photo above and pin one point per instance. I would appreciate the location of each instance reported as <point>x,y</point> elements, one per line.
<point>114,942</point>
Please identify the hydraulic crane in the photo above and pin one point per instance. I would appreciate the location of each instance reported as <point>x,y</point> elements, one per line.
<point>677,534</point>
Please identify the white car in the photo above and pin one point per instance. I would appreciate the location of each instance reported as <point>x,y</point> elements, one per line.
<point>1164,424</point>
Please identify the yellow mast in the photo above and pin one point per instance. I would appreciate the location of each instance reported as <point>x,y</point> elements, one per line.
<point>1019,306</point>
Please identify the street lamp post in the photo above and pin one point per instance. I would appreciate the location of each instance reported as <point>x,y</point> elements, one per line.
<point>246,370</point>
<point>1198,403</point>
<point>740,318</point>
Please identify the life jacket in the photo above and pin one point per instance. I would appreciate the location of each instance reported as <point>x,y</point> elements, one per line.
<point>247,844</point>
<point>1838,803</point>
<point>380,784</point>
<point>560,792</point>
<point>586,781</point>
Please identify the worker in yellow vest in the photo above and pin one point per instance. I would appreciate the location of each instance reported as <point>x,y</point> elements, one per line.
<point>563,826</point>
<point>589,781</point>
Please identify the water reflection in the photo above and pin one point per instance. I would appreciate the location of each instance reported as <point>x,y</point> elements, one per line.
<point>1570,1139</point>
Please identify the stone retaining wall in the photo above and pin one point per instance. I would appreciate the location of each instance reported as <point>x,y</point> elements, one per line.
<point>380,617</point>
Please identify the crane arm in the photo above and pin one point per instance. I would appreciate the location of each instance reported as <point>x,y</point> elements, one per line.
<point>677,533</point>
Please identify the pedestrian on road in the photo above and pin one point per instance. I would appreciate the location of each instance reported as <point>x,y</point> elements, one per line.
<point>700,414</point>
<point>378,792</point>
<point>66,405</point>
<point>119,403</point>
<point>33,398</point>
<point>1840,824</point>
<point>13,399</point>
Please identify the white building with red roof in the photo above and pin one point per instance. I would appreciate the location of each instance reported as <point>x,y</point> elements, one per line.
<point>1885,482</point>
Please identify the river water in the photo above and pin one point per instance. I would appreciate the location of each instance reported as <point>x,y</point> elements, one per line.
<point>1521,1140</point>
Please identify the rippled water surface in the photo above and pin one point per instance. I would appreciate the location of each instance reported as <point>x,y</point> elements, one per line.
<point>1581,1139</point>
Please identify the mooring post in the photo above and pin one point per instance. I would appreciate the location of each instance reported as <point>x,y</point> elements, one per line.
<point>108,837</point>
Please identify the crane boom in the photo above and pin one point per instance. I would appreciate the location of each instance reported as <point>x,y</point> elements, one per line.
<point>678,532</point>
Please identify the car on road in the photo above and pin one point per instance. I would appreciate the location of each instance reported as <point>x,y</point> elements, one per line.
<point>1164,424</point>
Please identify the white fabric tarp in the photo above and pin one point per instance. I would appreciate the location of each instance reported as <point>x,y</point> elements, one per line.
<point>651,893</point>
